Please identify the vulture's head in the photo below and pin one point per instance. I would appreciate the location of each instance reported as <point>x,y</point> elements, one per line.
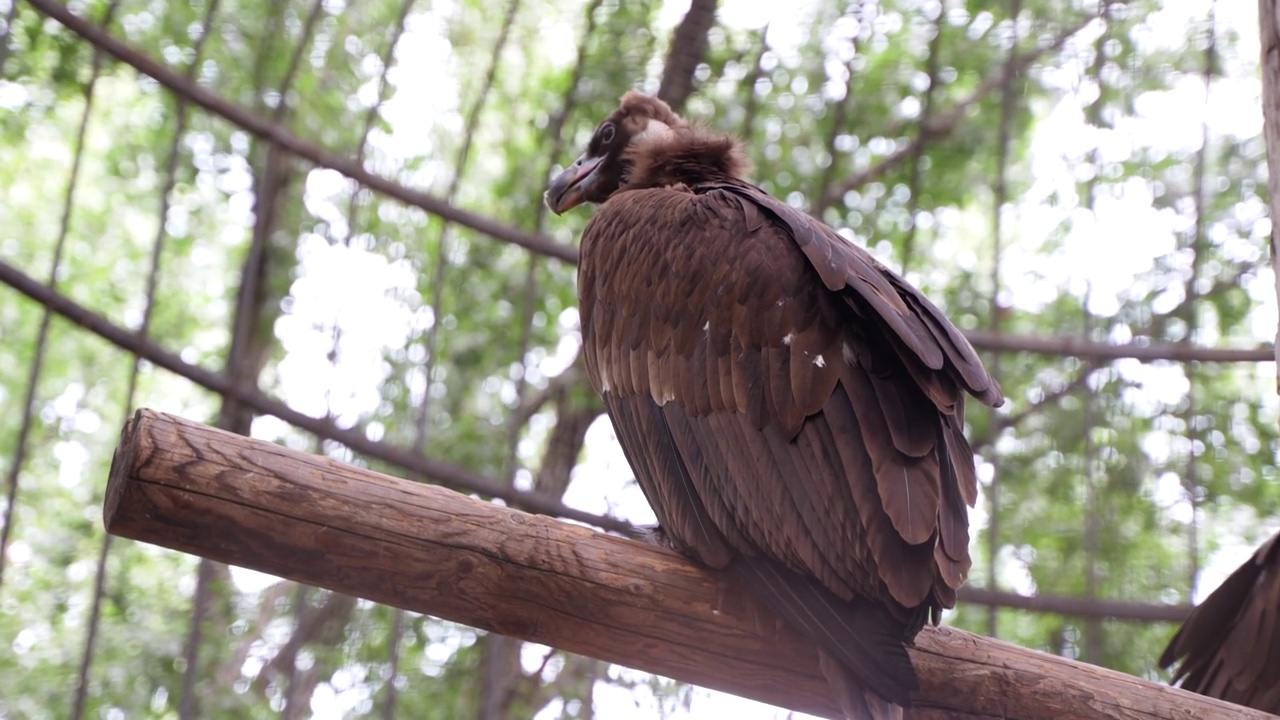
<point>643,144</point>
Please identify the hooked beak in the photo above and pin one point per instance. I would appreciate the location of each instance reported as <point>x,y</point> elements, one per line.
<point>569,188</point>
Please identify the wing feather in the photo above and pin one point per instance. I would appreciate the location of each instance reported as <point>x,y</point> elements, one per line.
<point>858,634</point>
<point>802,371</point>
<point>908,486</point>
<point>714,483</point>
<point>746,369</point>
<point>910,318</point>
<point>951,554</point>
<point>638,362</point>
<point>781,395</point>
<point>961,458</point>
<point>665,480</point>
<point>906,569</point>
<point>654,369</point>
<point>811,499</point>
<point>784,410</point>
<point>768,498</point>
<point>1228,646</point>
<point>724,377</point>
<point>954,344</point>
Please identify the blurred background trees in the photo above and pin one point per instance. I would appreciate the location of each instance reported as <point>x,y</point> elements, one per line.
<point>1077,184</point>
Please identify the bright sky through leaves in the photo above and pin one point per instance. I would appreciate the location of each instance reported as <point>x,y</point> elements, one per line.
<point>348,311</point>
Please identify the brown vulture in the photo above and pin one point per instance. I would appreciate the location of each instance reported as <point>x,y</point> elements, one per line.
<point>1229,646</point>
<point>791,408</point>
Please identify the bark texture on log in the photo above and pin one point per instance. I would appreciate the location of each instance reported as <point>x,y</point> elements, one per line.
<point>314,520</point>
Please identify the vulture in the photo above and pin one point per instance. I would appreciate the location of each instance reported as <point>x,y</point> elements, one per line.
<point>1229,646</point>
<point>792,409</point>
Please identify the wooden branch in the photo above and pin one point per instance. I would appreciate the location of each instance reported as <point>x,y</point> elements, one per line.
<point>270,131</point>
<point>1080,607</point>
<point>941,126</point>
<point>1098,351</point>
<point>437,470</point>
<point>314,520</point>
<point>688,49</point>
<point>1269,32</point>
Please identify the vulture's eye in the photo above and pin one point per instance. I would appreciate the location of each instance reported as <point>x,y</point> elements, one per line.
<point>606,133</point>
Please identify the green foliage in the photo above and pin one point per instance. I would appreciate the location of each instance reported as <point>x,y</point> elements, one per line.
<point>1132,474</point>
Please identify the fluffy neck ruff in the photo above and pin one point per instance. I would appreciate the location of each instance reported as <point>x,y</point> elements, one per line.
<point>687,156</point>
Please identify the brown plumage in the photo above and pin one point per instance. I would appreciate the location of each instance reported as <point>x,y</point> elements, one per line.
<point>792,409</point>
<point>1229,646</point>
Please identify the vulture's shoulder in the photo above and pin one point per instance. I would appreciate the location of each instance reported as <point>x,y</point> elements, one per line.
<point>762,270</point>
<point>919,331</point>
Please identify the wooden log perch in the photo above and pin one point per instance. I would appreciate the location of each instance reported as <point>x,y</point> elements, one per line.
<point>312,519</point>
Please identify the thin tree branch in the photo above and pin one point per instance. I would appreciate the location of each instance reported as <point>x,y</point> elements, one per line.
<point>519,417</point>
<point>1092,642</point>
<point>371,116</point>
<point>272,132</point>
<point>190,649</point>
<point>926,116</point>
<point>555,132</point>
<point>553,390</point>
<point>321,626</point>
<point>1001,195</point>
<point>944,124</point>
<point>838,112</point>
<point>981,339</point>
<point>166,191</point>
<point>270,180</point>
<point>91,634</point>
<point>390,692</point>
<point>42,335</point>
<point>752,105</point>
<point>555,129</point>
<point>531,693</point>
<point>444,473</point>
<point>568,437</point>
<point>1080,607</point>
<point>393,670</point>
<point>1199,249</point>
<point>442,244</point>
<point>295,60</point>
<point>153,277</point>
<point>1091,647</point>
<point>1269,46</point>
<point>1099,352</point>
<point>688,49</point>
<point>10,15</point>
<point>269,606</point>
<point>1003,422</point>
<point>272,29</point>
<point>370,120</point>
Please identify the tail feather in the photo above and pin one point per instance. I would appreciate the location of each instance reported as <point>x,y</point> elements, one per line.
<point>859,636</point>
<point>855,701</point>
